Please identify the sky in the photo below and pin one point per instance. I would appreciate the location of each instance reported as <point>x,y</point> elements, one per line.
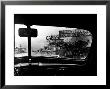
<point>39,41</point>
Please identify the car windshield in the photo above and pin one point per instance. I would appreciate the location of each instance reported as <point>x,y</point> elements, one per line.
<point>51,41</point>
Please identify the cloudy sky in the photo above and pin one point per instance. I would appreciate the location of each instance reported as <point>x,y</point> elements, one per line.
<point>40,40</point>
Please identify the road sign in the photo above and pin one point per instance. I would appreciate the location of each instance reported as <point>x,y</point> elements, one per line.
<point>74,33</point>
<point>25,32</point>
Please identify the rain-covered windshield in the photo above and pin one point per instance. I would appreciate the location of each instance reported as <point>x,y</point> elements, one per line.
<point>51,41</point>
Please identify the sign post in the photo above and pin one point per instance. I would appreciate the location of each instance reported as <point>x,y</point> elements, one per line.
<point>29,43</point>
<point>28,32</point>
